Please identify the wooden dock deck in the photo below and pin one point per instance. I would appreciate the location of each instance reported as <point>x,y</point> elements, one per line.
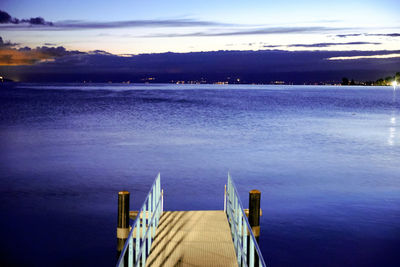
<point>193,238</point>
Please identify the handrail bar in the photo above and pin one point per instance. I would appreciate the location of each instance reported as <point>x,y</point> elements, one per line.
<point>120,261</point>
<point>241,248</point>
<point>144,239</point>
<point>256,247</point>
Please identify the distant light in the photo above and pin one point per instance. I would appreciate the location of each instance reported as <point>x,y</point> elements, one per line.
<point>394,83</point>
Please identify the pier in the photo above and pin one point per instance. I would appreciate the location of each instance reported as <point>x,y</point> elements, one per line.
<point>190,238</point>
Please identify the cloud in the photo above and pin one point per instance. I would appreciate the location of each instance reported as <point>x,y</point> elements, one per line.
<point>9,23</point>
<point>395,55</point>
<point>10,56</point>
<point>100,52</point>
<point>252,31</point>
<point>348,35</point>
<point>332,44</point>
<point>56,51</point>
<point>272,46</point>
<point>383,34</point>
<point>368,34</point>
<point>37,21</point>
<point>137,23</point>
<point>6,44</point>
<point>6,18</point>
<point>321,45</point>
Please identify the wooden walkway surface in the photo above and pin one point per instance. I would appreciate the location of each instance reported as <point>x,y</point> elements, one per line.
<point>193,238</point>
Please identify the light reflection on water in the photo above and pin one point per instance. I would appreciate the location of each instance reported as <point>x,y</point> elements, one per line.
<point>392,128</point>
<point>325,159</point>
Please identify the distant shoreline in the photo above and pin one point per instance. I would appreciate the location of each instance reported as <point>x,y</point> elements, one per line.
<point>188,84</point>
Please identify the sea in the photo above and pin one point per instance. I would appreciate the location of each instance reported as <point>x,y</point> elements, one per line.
<point>325,158</point>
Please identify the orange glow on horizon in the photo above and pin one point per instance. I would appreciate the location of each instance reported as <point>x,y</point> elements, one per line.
<point>12,57</point>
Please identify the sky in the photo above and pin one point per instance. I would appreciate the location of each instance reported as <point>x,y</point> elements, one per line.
<point>247,25</point>
<point>130,27</point>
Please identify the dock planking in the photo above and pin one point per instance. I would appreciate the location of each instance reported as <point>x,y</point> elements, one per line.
<point>193,238</point>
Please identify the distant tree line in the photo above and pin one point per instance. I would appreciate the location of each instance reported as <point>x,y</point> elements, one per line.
<point>380,82</point>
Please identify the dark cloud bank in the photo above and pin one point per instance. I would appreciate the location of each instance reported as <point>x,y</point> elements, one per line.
<point>319,45</point>
<point>6,18</point>
<point>250,66</point>
<point>368,34</point>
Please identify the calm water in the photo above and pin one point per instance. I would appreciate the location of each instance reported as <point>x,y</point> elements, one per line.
<point>327,160</point>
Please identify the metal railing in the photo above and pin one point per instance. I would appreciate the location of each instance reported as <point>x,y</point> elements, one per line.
<point>241,229</point>
<point>138,243</point>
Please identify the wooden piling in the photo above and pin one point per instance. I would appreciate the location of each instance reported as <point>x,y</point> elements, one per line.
<point>254,212</point>
<point>123,220</point>
<point>254,216</point>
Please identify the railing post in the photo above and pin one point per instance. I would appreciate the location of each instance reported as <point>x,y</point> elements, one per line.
<point>123,220</point>
<point>162,200</point>
<point>251,252</point>
<point>154,211</point>
<point>240,238</point>
<point>245,243</point>
<point>149,212</point>
<point>143,238</point>
<point>225,199</point>
<point>234,221</point>
<point>138,240</point>
<point>130,258</point>
<point>160,208</point>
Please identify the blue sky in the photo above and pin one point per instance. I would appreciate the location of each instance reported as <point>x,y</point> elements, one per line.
<point>186,26</point>
<point>225,10</point>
